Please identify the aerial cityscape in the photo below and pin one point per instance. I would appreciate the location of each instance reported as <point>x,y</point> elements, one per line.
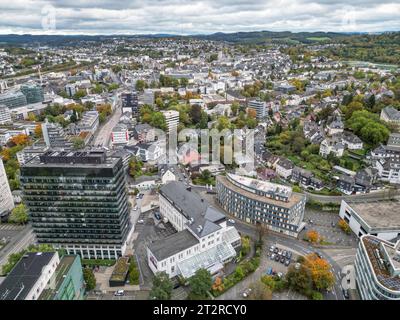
<point>191,158</point>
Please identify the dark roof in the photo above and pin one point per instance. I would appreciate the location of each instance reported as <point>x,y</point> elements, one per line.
<point>173,244</point>
<point>204,218</point>
<point>24,275</point>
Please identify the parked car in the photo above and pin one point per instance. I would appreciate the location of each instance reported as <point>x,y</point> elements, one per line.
<point>273,256</point>
<point>277,258</point>
<point>157,215</point>
<point>231,221</point>
<point>280,274</point>
<point>246,293</point>
<point>269,271</point>
<point>135,208</point>
<point>141,221</point>
<point>287,262</point>
<point>282,260</point>
<point>141,195</point>
<point>276,250</point>
<point>119,293</point>
<point>346,293</point>
<point>271,249</point>
<point>318,254</point>
<point>284,253</point>
<point>289,255</point>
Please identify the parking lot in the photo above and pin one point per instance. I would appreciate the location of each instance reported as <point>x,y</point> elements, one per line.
<point>326,224</point>
<point>151,229</point>
<point>279,260</point>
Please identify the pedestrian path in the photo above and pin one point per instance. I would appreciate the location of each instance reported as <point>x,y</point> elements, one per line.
<point>4,226</point>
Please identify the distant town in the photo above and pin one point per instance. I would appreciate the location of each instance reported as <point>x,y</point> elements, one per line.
<point>91,208</point>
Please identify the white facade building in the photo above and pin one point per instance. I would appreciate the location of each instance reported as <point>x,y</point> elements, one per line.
<point>120,135</point>
<point>6,198</point>
<point>203,240</point>
<point>172,120</point>
<point>5,115</point>
<point>379,218</point>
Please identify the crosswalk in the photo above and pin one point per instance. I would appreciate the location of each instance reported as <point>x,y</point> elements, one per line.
<point>10,227</point>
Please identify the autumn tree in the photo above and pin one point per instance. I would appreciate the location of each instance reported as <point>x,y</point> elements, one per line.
<point>20,139</point>
<point>251,113</point>
<point>344,226</point>
<point>320,271</point>
<point>218,285</point>
<point>313,236</point>
<point>38,131</point>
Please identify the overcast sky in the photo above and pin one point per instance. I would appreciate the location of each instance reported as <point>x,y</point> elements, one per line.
<point>194,17</point>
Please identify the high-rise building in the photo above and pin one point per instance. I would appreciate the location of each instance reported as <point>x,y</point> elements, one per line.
<point>148,97</point>
<point>377,269</point>
<point>5,115</point>
<point>55,136</point>
<point>130,103</point>
<point>172,120</point>
<point>33,92</point>
<point>260,107</point>
<point>256,201</point>
<point>13,99</point>
<point>78,201</point>
<point>6,197</point>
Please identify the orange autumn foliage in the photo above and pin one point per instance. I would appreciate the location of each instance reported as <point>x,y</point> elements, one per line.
<point>218,285</point>
<point>313,236</point>
<point>320,270</point>
<point>20,139</point>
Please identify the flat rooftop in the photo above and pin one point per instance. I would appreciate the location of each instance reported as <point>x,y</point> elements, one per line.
<point>62,269</point>
<point>380,265</point>
<point>292,200</point>
<point>173,244</point>
<point>378,214</point>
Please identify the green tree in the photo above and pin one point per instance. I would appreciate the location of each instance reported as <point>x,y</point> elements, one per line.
<point>19,214</point>
<point>135,167</point>
<point>195,113</point>
<point>162,287</point>
<point>78,143</point>
<point>200,284</point>
<point>140,85</point>
<point>89,278</point>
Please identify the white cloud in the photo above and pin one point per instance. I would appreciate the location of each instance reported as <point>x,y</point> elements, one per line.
<point>193,17</point>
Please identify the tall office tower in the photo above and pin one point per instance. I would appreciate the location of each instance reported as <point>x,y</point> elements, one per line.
<point>130,103</point>
<point>78,201</point>
<point>54,136</point>
<point>260,107</point>
<point>13,99</point>
<point>5,114</point>
<point>6,198</point>
<point>172,120</point>
<point>33,92</point>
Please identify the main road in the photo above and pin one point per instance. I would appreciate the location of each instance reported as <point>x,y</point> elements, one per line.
<point>25,238</point>
<point>103,135</point>
<point>373,195</point>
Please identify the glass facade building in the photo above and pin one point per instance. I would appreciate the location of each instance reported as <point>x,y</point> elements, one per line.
<point>78,201</point>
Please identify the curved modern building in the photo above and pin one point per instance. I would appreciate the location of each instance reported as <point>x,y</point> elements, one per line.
<point>255,201</point>
<point>377,269</point>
